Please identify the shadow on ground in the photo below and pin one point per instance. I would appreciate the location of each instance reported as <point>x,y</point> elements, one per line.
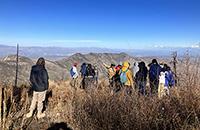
<point>59,126</point>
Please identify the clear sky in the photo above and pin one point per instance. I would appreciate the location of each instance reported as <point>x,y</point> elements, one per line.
<point>100,23</point>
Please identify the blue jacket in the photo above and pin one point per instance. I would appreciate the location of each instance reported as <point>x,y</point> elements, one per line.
<point>169,79</point>
<point>154,72</point>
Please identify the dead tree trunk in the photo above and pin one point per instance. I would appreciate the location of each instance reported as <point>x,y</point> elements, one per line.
<point>174,62</point>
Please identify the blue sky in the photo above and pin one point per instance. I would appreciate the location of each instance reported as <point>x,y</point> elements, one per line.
<point>100,23</point>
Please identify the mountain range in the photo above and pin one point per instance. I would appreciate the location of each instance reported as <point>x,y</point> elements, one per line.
<point>58,70</point>
<point>57,53</point>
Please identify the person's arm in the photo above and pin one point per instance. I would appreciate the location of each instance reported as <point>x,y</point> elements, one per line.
<point>46,79</point>
<point>107,66</point>
<point>32,79</point>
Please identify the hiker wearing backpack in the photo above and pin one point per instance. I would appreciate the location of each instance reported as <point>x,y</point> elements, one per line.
<point>169,77</point>
<point>154,72</point>
<point>111,73</point>
<point>39,84</point>
<point>89,78</point>
<point>74,75</point>
<point>126,78</point>
<point>83,70</point>
<point>141,78</point>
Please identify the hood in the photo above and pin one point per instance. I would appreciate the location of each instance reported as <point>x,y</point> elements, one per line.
<point>37,68</point>
<point>125,66</point>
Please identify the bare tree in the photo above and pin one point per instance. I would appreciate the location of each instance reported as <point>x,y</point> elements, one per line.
<point>174,62</point>
<point>17,64</point>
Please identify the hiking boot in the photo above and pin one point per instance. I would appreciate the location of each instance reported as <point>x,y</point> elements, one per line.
<point>41,115</point>
<point>30,114</point>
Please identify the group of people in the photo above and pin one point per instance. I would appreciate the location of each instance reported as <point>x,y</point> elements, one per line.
<point>88,74</point>
<point>160,76</point>
<point>121,77</point>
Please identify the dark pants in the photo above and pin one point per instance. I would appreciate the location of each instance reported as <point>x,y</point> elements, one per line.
<point>117,86</point>
<point>154,86</point>
<point>141,85</point>
<point>111,83</point>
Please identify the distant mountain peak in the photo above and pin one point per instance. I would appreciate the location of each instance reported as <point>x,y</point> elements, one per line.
<point>13,58</point>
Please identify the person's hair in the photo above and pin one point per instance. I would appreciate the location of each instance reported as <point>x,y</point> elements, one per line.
<point>168,68</point>
<point>154,61</point>
<point>112,65</point>
<point>89,65</point>
<point>141,64</point>
<point>41,61</point>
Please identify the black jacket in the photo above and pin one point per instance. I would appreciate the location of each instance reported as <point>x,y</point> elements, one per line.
<point>141,75</point>
<point>39,78</point>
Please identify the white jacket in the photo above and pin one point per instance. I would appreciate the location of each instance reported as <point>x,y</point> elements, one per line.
<point>162,77</point>
<point>75,71</point>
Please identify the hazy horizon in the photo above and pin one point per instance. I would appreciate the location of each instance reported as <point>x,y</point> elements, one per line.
<point>147,48</point>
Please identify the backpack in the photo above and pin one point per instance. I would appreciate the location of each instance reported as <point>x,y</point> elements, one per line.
<point>90,71</point>
<point>170,78</point>
<point>123,77</point>
<point>72,73</point>
<point>83,69</point>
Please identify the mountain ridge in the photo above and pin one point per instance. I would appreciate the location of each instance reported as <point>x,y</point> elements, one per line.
<point>58,70</point>
<point>58,53</point>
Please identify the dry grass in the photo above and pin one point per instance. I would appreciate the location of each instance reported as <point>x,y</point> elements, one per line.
<point>99,110</point>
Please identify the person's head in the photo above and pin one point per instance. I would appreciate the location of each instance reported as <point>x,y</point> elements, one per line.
<point>162,64</point>
<point>89,65</point>
<point>75,64</point>
<point>118,67</point>
<point>154,61</point>
<point>135,64</point>
<point>126,64</point>
<point>41,62</point>
<point>112,65</point>
<point>165,66</point>
<point>168,68</point>
<point>141,65</point>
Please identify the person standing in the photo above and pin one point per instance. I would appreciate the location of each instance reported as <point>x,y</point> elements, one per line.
<point>74,74</point>
<point>90,78</point>
<point>116,80</point>
<point>39,84</point>
<point>111,73</point>
<point>126,78</point>
<point>154,72</point>
<point>141,78</point>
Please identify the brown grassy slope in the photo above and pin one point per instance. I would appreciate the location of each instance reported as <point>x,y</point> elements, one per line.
<point>99,110</point>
